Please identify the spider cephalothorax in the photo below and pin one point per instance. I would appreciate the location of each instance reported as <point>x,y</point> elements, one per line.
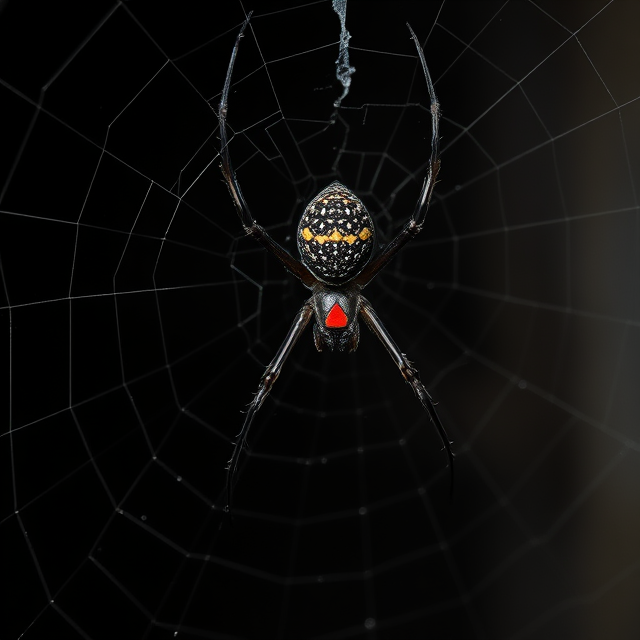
<point>336,311</point>
<point>336,238</point>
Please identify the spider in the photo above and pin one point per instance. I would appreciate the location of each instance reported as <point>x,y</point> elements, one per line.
<point>335,239</point>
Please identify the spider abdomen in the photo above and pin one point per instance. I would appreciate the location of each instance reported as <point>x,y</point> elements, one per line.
<point>335,235</point>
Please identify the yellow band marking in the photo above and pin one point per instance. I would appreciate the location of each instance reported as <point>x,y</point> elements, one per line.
<point>336,236</point>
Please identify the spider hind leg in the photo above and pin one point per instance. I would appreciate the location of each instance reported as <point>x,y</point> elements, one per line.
<point>411,376</point>
<point>268,380</point>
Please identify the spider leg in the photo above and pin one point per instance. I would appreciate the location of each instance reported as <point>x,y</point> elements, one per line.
<point>410,374</point>
<point>412,228</point>
<point>268,379</point>
<point>248,222</point>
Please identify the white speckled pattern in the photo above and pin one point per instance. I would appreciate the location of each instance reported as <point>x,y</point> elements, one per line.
<point>335,234</point>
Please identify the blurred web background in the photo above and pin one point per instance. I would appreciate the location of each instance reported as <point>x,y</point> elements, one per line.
<point>138,320</point>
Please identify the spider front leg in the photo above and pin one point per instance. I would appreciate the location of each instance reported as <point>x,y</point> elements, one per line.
<point>416,222</point>
<point>268,379</point>
<point>410,374</point>
<point>242,208</point>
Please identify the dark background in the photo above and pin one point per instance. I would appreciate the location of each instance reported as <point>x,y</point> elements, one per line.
<point>138,320</point>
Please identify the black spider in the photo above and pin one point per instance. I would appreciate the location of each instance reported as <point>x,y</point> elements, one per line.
<point>335,239</point>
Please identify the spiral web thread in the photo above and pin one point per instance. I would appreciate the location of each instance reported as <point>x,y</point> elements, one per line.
<point>138,320</point>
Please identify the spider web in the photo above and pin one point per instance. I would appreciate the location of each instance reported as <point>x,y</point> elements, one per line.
<point>138,320</point>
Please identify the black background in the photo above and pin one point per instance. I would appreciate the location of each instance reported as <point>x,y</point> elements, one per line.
<point>137,324</point>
